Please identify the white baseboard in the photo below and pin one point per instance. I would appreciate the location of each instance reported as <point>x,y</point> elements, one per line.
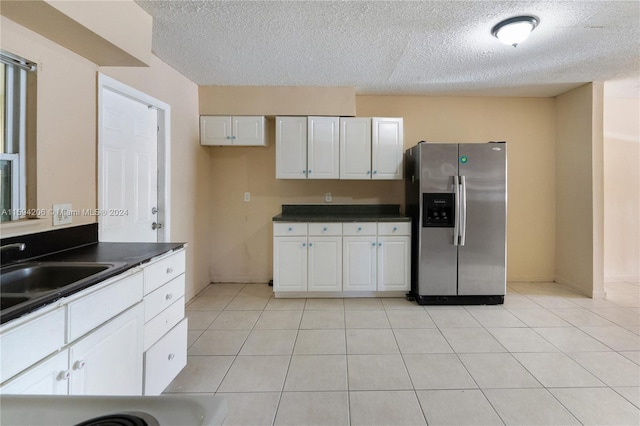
<point>621,278</point>
<point>574,286</point>
<point>239,279</point>
<point>531,279</point>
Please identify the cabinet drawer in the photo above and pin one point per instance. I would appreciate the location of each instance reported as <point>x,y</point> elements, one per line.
<point>30,342</point>
<point>330,228</point>
<point>163,271</point>
<point>164,360</point>
<point>90,311</point>
<point>359,228</point>
<point>289,229</point>
<point>163,322</point>
<point>160,299</point>
<point>394,228</point>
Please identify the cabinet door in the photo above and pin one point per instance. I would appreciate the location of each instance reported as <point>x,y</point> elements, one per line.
<point>108,361</point>
<point>248,131</point>
<point>290,264</point>
<point>355,148</point>
<point>387,145</point>
<point>291,147</point>
<point>359,263</point>
<point>325,264</point>
<point>394,263</point>
<point>323,147</point>
<point>49,377</point>
<point>164,360</point>
<point>215,130</point>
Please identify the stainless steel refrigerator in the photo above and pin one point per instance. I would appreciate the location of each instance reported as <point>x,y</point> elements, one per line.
<point>456,195</point>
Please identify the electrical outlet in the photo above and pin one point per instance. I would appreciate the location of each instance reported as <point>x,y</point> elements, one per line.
<point>247,197</point>
<point>62,214</point>
<point>327,197</point>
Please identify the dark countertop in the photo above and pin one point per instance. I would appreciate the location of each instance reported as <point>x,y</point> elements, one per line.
<point>341,213</point>
<point>123,256</point>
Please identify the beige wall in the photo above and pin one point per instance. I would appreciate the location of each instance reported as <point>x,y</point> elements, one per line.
<point>242,231</point>
<point>67,144</point>
<point>622,189</point>
<point>579,190</point>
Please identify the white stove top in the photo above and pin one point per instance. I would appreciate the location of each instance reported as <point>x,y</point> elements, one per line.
<point>168,410</point>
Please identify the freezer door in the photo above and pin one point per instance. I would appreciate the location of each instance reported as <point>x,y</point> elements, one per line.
<point>482,253</point>
<point>438,261</point>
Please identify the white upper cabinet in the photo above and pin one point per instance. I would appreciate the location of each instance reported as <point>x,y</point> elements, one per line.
<point>323,142</point>
<point>232,130</point>
<point>387,145</point>
<point>371,148</point>
<point>291,147</point>
<point>355,148</point>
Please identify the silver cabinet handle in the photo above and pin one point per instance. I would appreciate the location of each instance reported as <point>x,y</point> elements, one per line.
<point>171,356</point>
<point>79,365</point>
<point>169,296</point>
<point>169,270</point>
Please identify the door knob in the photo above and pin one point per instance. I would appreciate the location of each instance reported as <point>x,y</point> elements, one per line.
<point>156,225</point>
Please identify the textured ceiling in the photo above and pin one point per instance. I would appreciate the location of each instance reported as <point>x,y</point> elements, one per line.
<point>397,47</point>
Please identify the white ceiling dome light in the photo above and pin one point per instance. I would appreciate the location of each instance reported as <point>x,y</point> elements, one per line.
<point>514,30</point>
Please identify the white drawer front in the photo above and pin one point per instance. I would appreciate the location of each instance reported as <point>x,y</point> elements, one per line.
<point>359,228</point>
<point>24,345</point>
<point>89,312</point>
<point>163,322</point>
<point>331,229</point>
<point>163,271</point>
<point>164,360</point>
<point>289,229</point>
<point>160,299</point>
<point>394,228</point>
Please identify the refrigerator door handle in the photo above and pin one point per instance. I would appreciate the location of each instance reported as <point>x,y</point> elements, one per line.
<point>463,210</point>
<point>456,221</point>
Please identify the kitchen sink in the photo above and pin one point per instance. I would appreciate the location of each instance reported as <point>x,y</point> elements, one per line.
<point>26,286</point>
<point>38,277</point>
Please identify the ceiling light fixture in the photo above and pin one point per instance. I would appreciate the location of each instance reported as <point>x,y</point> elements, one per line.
<point>514,30</point>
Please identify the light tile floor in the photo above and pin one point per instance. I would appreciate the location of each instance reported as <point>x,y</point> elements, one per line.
<point>547,356</point>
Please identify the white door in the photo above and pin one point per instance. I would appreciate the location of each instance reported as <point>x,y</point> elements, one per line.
<point>394,263</point>
<point>129,169</point>
<point>359,254</point>
<point>355,148</point>
<point>291,147</point>
<point>108,361</point>
<point>325,264</point>
<point>290,264</point>
<point>387,146</point>
<point>323,144</point>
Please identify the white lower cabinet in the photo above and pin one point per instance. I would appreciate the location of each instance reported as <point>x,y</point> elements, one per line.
<point>325,263</point>
<point>124,336</point>
<point>359,263</point>
<point>165,359</point>
<point>48,377</point>
<point>341,257</point>
<point>107,361</point>
<point>165,327</point>
<point>393,263</point>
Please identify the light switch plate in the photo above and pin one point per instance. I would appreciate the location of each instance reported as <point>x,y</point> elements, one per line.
<point>327,197</point>
<point>62,214</point>
<point>247,197</point>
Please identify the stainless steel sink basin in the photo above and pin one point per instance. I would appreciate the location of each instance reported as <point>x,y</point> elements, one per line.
<point>38,277</point>
<point>29,285</point>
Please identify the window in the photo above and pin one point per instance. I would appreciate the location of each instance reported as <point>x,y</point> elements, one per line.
<point>17,127</point>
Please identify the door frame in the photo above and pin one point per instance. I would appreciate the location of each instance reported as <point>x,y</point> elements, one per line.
<point>164,149</point>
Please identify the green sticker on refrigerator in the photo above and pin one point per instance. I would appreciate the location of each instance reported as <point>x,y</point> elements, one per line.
<point>464,159</point>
